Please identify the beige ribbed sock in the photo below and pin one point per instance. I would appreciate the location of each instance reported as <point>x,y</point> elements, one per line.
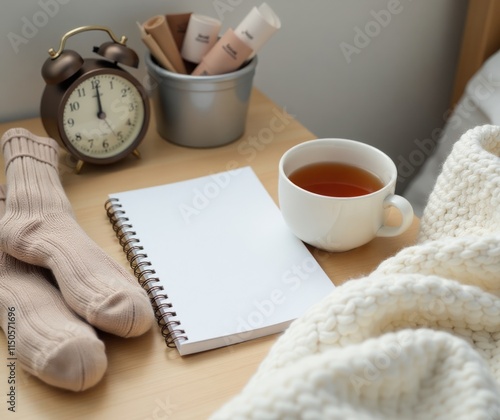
<point>44,337</point>
<point>39,228</point>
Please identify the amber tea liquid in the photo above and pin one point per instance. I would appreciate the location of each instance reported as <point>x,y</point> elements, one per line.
<point>335,179</point>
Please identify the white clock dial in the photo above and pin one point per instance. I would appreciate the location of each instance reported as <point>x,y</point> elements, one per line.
<point>103,115</point>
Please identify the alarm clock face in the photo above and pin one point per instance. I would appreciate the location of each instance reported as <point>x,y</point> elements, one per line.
<point>103,116</point>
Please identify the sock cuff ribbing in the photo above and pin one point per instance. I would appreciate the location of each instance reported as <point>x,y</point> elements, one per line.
<point>3,194</point>
<point>19,142</point>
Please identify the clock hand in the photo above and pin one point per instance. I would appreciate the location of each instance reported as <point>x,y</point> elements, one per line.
<point>100,113</point>
<point>109,125</point>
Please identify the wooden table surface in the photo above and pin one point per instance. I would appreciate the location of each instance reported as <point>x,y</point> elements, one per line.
<point>145,379</point>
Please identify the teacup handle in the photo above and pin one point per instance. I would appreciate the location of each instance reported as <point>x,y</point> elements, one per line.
<point>406,210</point>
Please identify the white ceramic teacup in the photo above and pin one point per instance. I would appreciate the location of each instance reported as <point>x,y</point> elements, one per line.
<point>340,223</point>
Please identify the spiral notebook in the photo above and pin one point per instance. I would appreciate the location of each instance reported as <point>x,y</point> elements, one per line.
<point>216,258</point>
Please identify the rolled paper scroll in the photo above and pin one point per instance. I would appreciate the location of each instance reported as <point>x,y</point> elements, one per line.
<point>258,27</point>
<point>253,32</point>
<point>178,24</point>
<point>155,50</point>
<point>227,55</point>
<point>158,28</point>
<point>201,35</point>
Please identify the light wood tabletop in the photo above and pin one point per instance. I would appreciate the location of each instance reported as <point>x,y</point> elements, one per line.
<point>145,379</point>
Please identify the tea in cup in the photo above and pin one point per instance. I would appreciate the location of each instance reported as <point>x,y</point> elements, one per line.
<point>334,193</point>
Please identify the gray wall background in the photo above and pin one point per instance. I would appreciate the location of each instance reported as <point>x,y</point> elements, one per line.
<point>379,71</point>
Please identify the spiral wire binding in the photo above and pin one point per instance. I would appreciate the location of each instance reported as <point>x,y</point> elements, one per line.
<point>146,275</point>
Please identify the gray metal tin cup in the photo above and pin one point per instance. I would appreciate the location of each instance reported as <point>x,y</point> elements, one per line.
<point>200,111</point>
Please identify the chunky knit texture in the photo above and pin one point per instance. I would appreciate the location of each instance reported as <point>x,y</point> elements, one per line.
<point>419,338</point>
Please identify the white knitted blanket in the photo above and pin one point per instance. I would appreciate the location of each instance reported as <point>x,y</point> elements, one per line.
<point>419,338</point>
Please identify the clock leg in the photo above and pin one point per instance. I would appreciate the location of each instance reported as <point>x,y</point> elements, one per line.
<point>79,166</point>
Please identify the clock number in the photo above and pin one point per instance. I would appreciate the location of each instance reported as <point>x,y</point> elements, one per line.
<point>105,132</point>
<point>74,106</point>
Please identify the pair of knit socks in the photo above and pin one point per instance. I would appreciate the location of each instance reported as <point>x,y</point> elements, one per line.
<point>54,280</point>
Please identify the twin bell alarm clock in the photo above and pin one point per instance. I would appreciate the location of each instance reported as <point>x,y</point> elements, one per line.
<point>94,108</point>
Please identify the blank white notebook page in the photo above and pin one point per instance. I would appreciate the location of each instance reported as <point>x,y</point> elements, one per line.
<point>231,268</point>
